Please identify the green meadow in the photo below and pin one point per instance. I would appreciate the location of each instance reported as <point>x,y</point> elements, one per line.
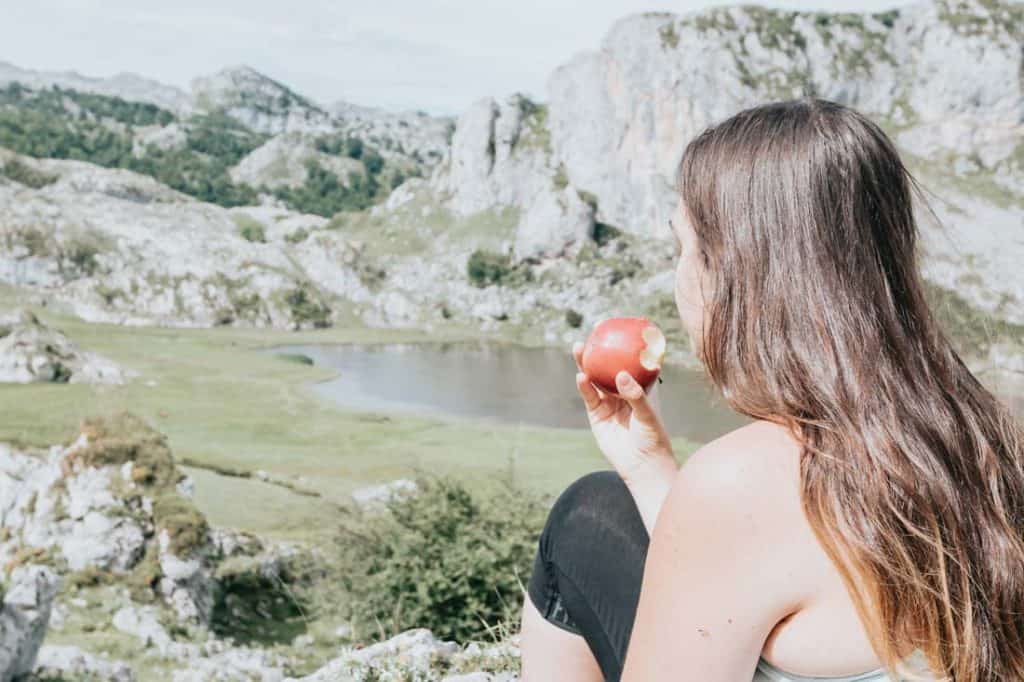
<point>233,409</point>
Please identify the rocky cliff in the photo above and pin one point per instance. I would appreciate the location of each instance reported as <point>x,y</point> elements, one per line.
<point>943,77</point>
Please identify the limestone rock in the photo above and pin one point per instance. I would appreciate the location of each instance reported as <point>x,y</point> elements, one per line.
<point>72,663</point>
<point>376,496</point>
<point>187,583</point>
<point>495,159</point>
<point>418,654</point>
<point>30,351</point>
<point>257,102</point>
<point>27,598</point>
<point>553,221</point>
<point>415,133</point>
<point>218,661</point>
<point>93,513</point>
<point>151,255</point>
<point>281,162</point>
<point>142,622</point>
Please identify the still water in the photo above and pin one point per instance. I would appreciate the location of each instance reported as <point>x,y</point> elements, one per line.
<point>502,382</point>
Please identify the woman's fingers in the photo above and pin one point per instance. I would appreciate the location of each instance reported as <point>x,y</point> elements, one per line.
<point>577,354</point>
<point>633,393</point>
<point>587,390</point>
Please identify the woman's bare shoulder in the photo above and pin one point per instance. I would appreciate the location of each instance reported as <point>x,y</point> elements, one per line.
<point>760,457</point>
<point>757,466</point>
<point>715,584</point>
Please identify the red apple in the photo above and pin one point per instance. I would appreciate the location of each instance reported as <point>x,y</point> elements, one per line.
<point>634,344</point>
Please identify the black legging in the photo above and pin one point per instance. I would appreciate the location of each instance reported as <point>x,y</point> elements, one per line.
<point>589,566</point>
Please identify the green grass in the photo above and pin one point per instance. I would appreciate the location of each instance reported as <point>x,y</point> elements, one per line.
<point>225,401</point>
<point>410,233</point>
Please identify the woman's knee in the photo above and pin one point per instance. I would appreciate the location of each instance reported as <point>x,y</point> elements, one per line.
<point>591,509</point>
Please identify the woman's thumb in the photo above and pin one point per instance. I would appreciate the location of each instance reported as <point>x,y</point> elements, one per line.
<point>627,386</point>
<point>631,391</point>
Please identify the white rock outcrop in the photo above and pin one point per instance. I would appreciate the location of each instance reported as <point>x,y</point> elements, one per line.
<point>418,654</point>
<point>258,102</point>
<point>85,507</point>
<point>30,352</point>
<point>120,247</point>
<point>24,613</point>
<point>942,76</point>
<point>281,162</point>
<point>72,663</point>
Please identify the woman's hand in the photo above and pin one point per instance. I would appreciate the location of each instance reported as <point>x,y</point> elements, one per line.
<point>629,432</point>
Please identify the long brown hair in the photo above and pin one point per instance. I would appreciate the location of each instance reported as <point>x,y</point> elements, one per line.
<point>912,472</point>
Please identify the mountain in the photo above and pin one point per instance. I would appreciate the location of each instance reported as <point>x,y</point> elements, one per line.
<point>258,102</point>
<point>942,77</point>
<point>529,218</point>
<point>127,86</point>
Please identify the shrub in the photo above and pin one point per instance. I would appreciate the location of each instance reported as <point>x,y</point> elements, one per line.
<point>305,308</point>
<point>80,252</point>
<point>296,358</point>
<point>250,229</point>
<point>669,36</point>
<point>299,235</point>
<point>560,180</point>
<point>257,606</point>
<point>325,194</point>
<point>485,268</point>
<point>604,233</point>
<point>441,558</point>
<point>573,318</point>
<point>16,170</point>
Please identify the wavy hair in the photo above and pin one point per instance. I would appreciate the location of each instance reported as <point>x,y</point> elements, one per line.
<point>912,472</point>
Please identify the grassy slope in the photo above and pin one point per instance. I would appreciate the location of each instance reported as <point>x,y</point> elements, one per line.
<point>224,402</point>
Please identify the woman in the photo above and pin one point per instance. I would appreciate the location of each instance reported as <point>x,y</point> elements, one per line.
<point>867,524</point>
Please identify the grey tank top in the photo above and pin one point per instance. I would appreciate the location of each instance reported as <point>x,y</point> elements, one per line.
<point>766,672</point>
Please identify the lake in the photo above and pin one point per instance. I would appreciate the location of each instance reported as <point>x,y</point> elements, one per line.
<point>502,382</point>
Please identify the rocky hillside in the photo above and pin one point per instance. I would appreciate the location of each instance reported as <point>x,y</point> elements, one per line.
<point>109,572</point>
<point>236,136</point>
<point>942,77</point>
<point>243,202</point>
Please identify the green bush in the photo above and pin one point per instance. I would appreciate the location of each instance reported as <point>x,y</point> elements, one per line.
<point>250,229</point>
<point>441,558</point>
<point>561,178</point>
<point>15,170</point>
<point>573,318</point>
<point>306,308</point>
<point>297,358</point>
<point>80,252</point>
<point>604,233</point>
<point>324,194</point>
<point>485,268</point>
<point>669,36</point>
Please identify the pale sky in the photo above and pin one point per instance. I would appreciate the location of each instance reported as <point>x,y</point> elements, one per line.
<point>435,55</point>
